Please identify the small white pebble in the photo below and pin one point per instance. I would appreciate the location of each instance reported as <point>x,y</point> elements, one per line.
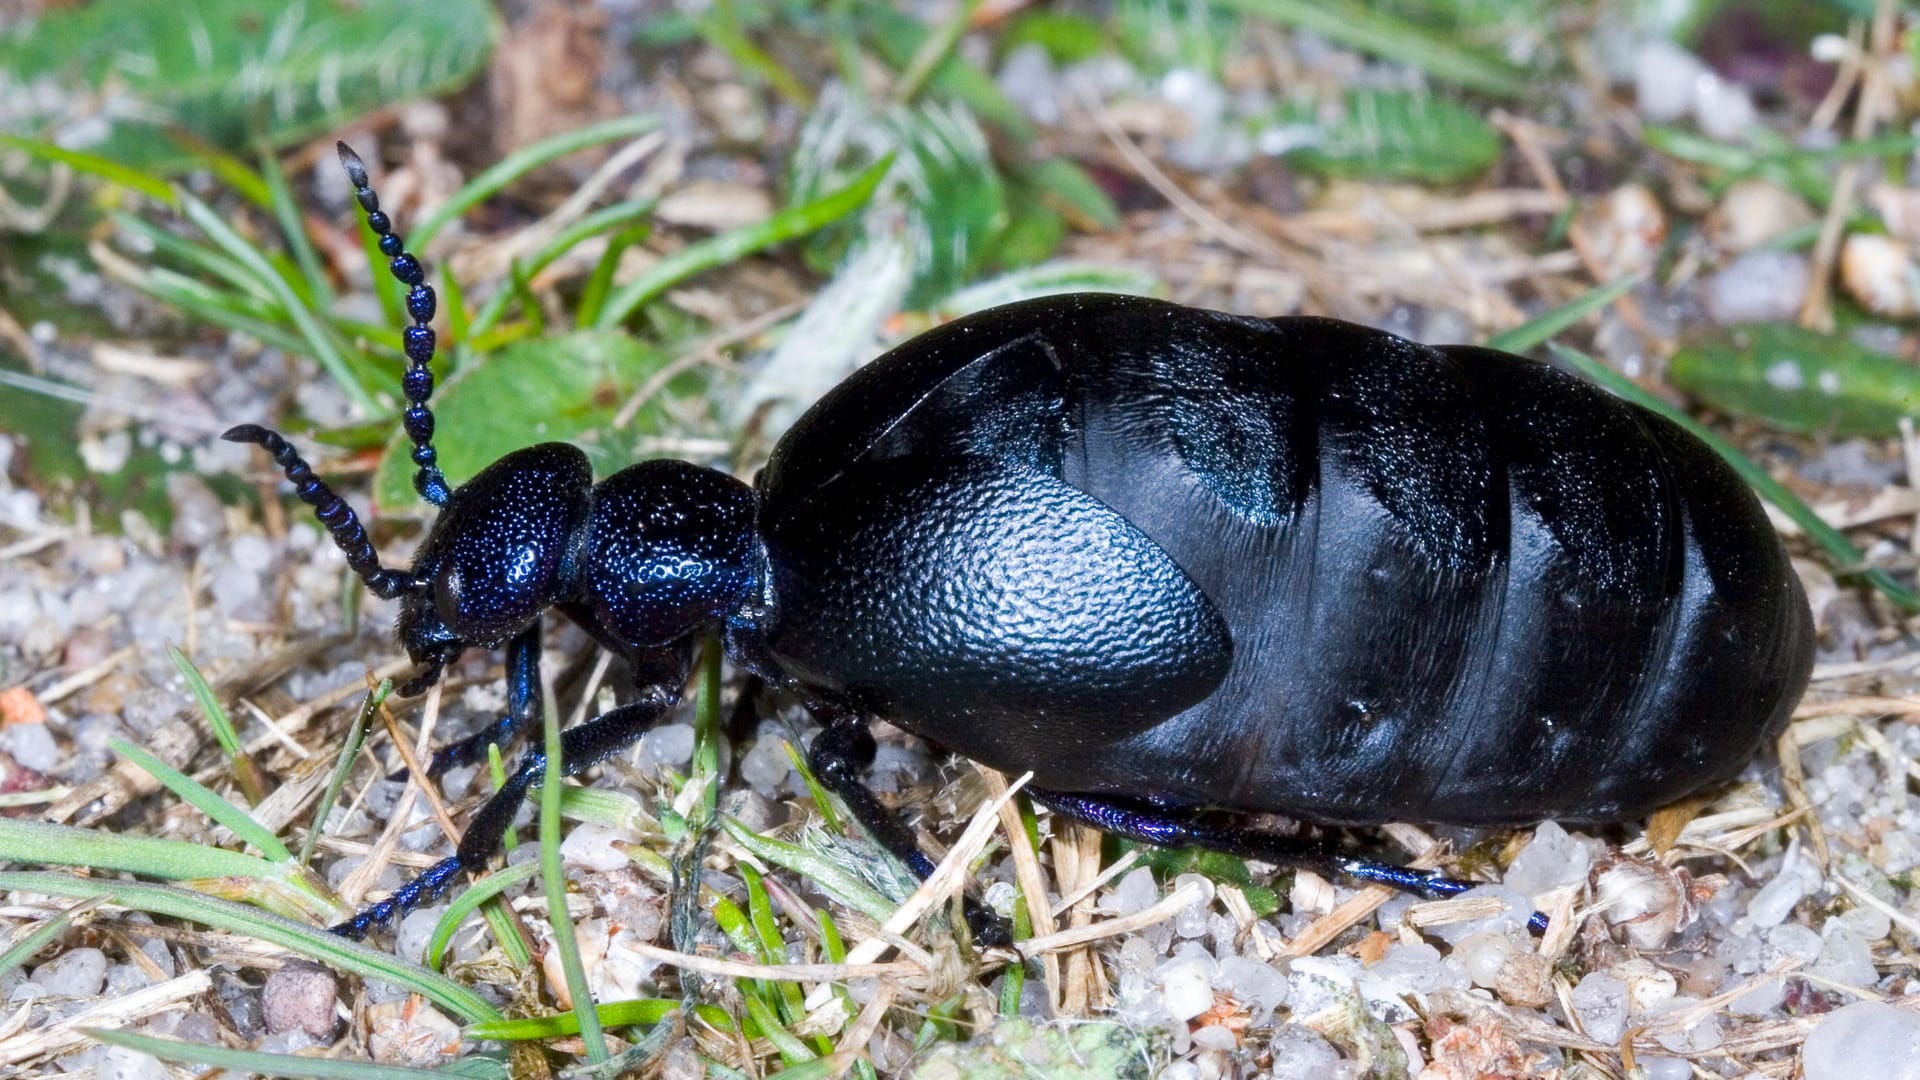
<point>1135,891</point>
<point>74,973</point>
<point>1214,1037</point>
<point>1760,286</point>
<point>416,930</point>
<point>670,745</point>
<point>1664,78</point>
<point>594,847</point>
<point>119,1063</point>
<point>1600,1001</point>
<point>1867,1038</point>
<point>1551,860</point>
<point>766,765</point>
<point>33,746</point>
<point>1187,987</point>
<point>1483,955</point>
<point>1666,1068</point>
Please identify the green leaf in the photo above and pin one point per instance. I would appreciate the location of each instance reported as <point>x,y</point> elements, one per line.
<point>639,1012</point>
<point>223,70</point>
<point>563,388</point>
<point>1067,187</point>
<point>1160,35</point>
<point>1357,26</point>
<point>898,37</point>
<point>521,162</point>
<point>1068,37</point>
<point>283,883</point>
<point>1797,380</point>
<point>1383,135</point>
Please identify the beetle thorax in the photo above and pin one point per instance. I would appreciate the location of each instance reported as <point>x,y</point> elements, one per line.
<point>671,548</point>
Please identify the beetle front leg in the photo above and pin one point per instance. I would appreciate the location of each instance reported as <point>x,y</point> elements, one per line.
<point>840,757</point>
<point>581,748</point>
<point>1166,827</point>
<point>523,708</point>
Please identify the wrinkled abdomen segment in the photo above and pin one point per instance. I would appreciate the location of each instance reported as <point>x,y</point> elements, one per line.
<point>1483,591</point>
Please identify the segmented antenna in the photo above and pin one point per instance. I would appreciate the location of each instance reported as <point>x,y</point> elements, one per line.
<point>417,339</point>
<point>331,509</point>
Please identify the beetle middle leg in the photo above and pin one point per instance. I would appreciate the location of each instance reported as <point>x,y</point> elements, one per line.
<point>840,757</point>
<point>1167,827</point>
<point>581,748</point>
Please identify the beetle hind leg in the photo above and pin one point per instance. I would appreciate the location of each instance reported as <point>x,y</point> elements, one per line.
<point>1166,827</point>
<point>839,758</point>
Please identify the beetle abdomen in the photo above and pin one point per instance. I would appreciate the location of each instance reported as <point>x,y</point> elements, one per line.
<point>1460,586</point>
<point>1481,590</point>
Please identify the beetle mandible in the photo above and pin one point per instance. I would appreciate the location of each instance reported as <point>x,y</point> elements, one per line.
<point>1171,561</point>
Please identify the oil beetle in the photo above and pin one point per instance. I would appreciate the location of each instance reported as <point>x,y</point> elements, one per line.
<point>1171,561</point>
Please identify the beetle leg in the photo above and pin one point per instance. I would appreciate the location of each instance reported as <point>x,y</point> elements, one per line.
<point>840,756</point>
<point>581,748</point>
<point>523,708</point>
<point>1173,828</point>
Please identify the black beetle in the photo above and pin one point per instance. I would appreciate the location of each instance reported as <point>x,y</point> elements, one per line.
<point>1170,561</point>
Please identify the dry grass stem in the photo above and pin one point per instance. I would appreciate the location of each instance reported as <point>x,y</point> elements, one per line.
<point>112,1012</point>
<point>946,879</point>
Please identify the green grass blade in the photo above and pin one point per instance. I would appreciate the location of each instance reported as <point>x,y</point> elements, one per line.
<point>207,800</point>
<point>518,164</point>
<point>718,250</point>
<point>934,51</point>
<point>840,884</point>
<point>223,730</point>
<point>31,942</point>
<point>1848,559</point>
<point>309,941</point>
<point>721,28</point>
<point>601,220</point>
<point>1537,330</point>
<point>640,1012</point>
<point>593,296</point>
<point>167,244</point>
<point>294,227</point>
<point>343,766</point>
<point>554,879</point>
<point>296,1066</point>
<point>319,339</point>
<point>1380,34</point>
<point>47,844</point>
<point>93,165</point>
<point>469,901</point>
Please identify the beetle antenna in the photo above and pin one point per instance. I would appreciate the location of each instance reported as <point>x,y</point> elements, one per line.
<point>417,339</point>
<point>331,509</point>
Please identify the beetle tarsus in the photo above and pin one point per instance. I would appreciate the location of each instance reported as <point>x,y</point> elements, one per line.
<point>1166,827</point>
